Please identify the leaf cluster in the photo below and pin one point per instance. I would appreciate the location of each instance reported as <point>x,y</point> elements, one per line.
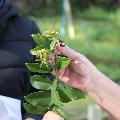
<point>52,94</point>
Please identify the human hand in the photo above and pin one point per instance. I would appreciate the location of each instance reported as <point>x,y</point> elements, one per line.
<point>52,116</point>
<point>80,73</point>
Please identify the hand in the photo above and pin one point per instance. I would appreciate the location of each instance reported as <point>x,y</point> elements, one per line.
<point>52,116</point>
<point>80,73</point>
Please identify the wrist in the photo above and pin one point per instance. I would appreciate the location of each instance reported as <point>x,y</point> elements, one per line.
<point>94,83</point>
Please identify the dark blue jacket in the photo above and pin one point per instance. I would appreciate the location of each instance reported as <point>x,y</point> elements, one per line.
<point>15,44</point>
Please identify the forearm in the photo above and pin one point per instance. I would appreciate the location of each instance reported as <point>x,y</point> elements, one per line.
<point>107,94</point>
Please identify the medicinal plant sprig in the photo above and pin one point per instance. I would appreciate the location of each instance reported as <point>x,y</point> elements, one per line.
<point>52,94</point>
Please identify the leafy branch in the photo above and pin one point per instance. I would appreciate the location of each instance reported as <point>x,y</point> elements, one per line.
<point>52,94</point>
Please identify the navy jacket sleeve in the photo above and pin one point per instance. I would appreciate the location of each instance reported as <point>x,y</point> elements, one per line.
<point>35,30</point>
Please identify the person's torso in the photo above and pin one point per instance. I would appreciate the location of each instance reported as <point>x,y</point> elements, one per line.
<point>15,48</point>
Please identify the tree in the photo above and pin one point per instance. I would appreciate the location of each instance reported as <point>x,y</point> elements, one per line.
<point>67,18</point>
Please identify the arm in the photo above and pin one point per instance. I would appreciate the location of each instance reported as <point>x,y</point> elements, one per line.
<point>86,77</point>
<point>82,74</point>
<point>107,94</point>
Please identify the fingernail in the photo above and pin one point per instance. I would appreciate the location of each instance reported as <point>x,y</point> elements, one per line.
<point>62,45</point>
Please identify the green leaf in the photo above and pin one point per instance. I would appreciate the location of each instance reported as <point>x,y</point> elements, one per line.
<point>55,99</point>
<point>51,34</point>
<point>49,51</point>
<point>33,67</point>
<point>52,45</point>
<point>58,111</point>
<point>41,98</point>
<point>65,114</point>
<point>63,97</point>
<point>62,62</point>
<point>52,95</point>
<point>35,51</point>
<point>41,82</point>
<point>35,109</point>
<point>40,68</point>
<point>41,40</point>
<point>72,93</point>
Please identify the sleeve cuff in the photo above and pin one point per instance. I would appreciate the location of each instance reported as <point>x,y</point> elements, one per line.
<point>34,116</point>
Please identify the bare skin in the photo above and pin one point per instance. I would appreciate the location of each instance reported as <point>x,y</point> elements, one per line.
<point>82,74</point>
<point>52,116</point>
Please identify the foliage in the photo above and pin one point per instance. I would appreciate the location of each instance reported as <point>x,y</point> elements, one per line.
<point>52,94</point>
<point>50,7</point>
<point>97,39</point>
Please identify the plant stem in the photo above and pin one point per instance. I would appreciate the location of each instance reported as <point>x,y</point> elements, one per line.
<point>56,70</point>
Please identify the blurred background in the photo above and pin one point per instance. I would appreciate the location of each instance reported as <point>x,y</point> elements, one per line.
<point>91,27</point>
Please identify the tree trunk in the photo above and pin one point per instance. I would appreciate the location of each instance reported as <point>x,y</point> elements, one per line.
<point>70,26</point>
<point>48,5</point>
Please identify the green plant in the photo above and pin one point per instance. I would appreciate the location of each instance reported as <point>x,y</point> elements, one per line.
<point>52,94</point>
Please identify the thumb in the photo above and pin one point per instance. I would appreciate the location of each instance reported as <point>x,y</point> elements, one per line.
<point>52,116</point>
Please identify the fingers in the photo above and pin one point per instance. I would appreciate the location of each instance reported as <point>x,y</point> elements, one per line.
<point>51,59</point>
<point>65,50</point>
<point>52,116</point>
<point>61,76</point>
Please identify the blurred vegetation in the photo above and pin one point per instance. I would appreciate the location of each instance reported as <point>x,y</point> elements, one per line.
<point>97,28</point>
<point>98,40</point>
<point>53,7</point>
